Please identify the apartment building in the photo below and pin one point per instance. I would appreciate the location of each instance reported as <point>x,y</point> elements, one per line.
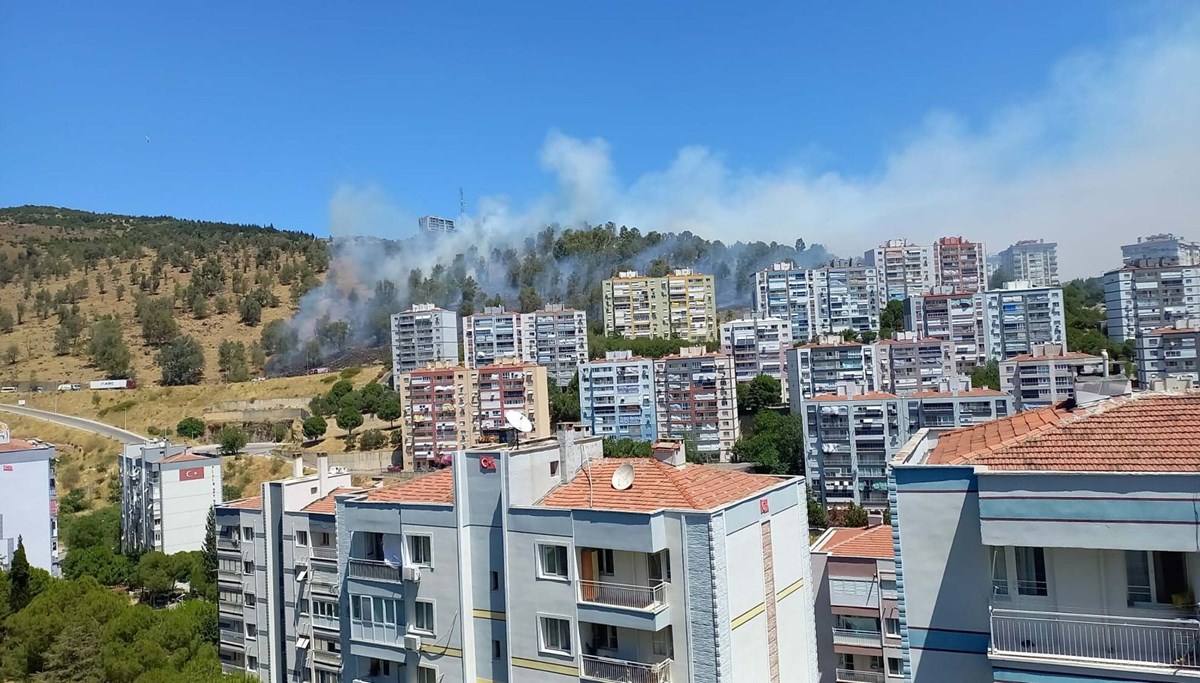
<point>616,397</point>
<point>960,265</point>
<point>1143,297</point>
<point>956,317</point>
<point>1169,353</point>
<point>1054,544</point>
<point>784,291</point>
<point>1049,374</point>
<point>845,297</point>
<point>438,409</point>
<point>166,493</point>
<point>422,335</point>
<point>491,335</point>
<point>904,269</point>
<point>29,501</point>
<point>277,579</point>
<point>696,398</point>
<point>682,304</point>
<point>556,338</point>
<point>821,367</point>
<point>1021,316</point>
<point>512,385</point>
<point>1032,261</point>
<point>528,564</point>
<point>1164,248</point>
<point>433,225</point>
<point>857,605</point>
<point>758,346</point>
<point>907,363</point>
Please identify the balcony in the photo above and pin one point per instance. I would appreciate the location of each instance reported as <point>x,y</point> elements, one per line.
<point>324,552</point>
<point>857,676</point>
<point>1168,643</point>
<point>229,544</point>
<point>620,671</point>
<point>328,658</point>
<point>650,598</point>
<point>235,638</point>
<point>846,636</point>
<point>374,569</point>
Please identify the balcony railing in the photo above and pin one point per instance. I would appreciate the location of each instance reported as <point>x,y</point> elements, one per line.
<point>855,676</point>
<point>623,595</point>
<point>1130,640</point>
<point>621,671</point>
<point>228,544</point>
<point>846,636</point>
<point>327,657</point>
<point>233,637</point>
<point>374,569</point>
<point>324,552</point>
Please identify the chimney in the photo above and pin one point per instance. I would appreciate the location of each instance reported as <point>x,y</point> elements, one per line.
<point>297,464</point>
<point>1104,355</point>
<point>323,472</point>
<point>874,519</point>
<point>670,453</point>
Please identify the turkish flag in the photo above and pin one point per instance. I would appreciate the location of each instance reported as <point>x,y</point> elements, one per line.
<point>8,468</point>
<point>191,473</point>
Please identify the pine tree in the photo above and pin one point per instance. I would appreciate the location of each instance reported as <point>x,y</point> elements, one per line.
<point>209,558</point>
<point>19,574</point>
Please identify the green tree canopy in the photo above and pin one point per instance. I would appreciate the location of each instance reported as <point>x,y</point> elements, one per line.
<point>761,392</point>
<point>190,428</point>
<point>182,362</point>
<point>314,427</point>
<point>232,439</point>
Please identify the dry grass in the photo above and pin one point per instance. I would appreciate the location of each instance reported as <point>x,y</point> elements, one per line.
<point>243,474</point>
<point>84,460</point>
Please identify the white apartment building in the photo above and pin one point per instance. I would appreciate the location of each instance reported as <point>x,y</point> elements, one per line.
<point>696,398</point>
<point>433,225</point>
<point>1053,545</point>
<point>1169,353</point>
<point>908,363</point>
<point>28,502</point>
<point>1032,261</point>
<point>822,367</point>
<point>1021,316</point>
<point>953,317</point>
<point>758,346</point>
<point>846,296</point>
<point>1142,297</point>
<point>557,339</point>
<point>1048,375</point>
<point>547,562</point>
<point>616,397</point>
<point>960,265</point>
<point>278,584</point>
<point>784,291</point>
<point>682,304</point>
<point>1162,249</point>
<point>493,334</point>
<point>166,493</point>
<point>422,335</point>
<point>904,269</point>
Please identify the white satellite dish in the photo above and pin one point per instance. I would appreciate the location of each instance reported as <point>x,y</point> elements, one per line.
<point>623,477</point>
<point>517,420</point>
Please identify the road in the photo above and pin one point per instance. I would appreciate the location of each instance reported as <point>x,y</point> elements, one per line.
<point>256,448</point>
<point>122,435</point>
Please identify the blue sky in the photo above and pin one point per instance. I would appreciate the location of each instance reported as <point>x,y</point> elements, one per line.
<point>262,112</point>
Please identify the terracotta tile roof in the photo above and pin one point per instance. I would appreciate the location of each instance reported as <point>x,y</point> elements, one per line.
<point>327,505</point>
<point>430,488</point>
<point>1171,329</point>
<point>869,396</point>
<point>657,486</point>
<point>1146,432</point>
<point>18,445</point>
<point>1070,355</point>
<point>251,503</point>
<point>929,393</point>
<point>856,542</point>
<point>186,456</point>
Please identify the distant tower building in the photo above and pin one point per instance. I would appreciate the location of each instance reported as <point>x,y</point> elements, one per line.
<point>682,304</point>
<point>616,396</point>
<point>422,335</point>
<point>1019,317</point>
<point>1034,261</point>
<point>785,291</point>
<point>959,264</point>
<point>845,296</point>
<point>904,269</point>
<point>435,225</point>
<point>758,346</point>
<point>1138,298</point>
<point>28,502</point>
<point>697,397</point>
<point>1164,249</point>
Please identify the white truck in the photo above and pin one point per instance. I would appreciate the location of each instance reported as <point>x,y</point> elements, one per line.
<point>111,384</point>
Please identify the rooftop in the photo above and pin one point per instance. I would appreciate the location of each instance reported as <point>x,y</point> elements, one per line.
<point>188,456</point>
<point>251,503</point>
<point>868,396</point>
<point>21,445</point>
<point>982,391</point>
<point>1144,432</point>
<point>431,488</point>
<point>873,541</point>
<point>327,504</point>
<point>1069,355</point>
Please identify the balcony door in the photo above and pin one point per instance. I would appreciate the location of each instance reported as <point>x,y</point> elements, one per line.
<point>1021,577</point>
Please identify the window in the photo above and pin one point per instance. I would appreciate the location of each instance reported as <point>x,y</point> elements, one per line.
<point>1031,571</point>
<point>999,574</point>
<point>892,626</point>
<point>423,616</point>
<point>604,637</point>
<point>660,567</point>
<point>247,533</point>
<point>248,567</point>
<point>495,581</point>
<point>426,674</point>
<point>1154,577</point>
<point>380,667</point>
<point>607,565</point>
<point>325,608</point>
<point>301,607</point>
<point>249,599</point>
<point>496,653</point>
<point>887,585</point>
<point>230,565</point>
<point>252,663</point>
<point>420,550</point>
<point>251,631</point>
<point>302,538</point>
<point>324,536</point>
<point>553,561</point>
<point>555,634</point>
<point>893,666</point>
<point>664,642</point>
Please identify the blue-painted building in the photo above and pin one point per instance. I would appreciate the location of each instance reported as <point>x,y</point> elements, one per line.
<point>616,396</point>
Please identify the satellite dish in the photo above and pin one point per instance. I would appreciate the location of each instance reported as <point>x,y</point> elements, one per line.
<point>517,420</point>
<point>623,477</point>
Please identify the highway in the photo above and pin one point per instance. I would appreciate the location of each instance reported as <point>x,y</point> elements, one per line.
<point>122,435</point>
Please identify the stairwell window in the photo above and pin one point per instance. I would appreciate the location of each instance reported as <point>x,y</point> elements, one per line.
<point>552,561</point>
<point>555,635</point>
<point>420,550</point>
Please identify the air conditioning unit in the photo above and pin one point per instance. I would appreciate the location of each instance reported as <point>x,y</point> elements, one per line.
<point>412,643</point>
<point>411,573</point>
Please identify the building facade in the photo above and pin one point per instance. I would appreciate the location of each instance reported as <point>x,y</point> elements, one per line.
<point>526,564</point>
<point>758,346</point>
<point>557,339</point>
<point>682,304</point>
<point>616,397</point>
<point>1020,317</point>
<point>433,225</point>
<point>438,409</point>
<point>512,385</point>
<point>907,363</point>
<point>1143,297</point>
<point>845,297</point>
<point>29,502</point>
<point>1048,375</point>
<point>953,317</point>
<point>1053,545</point>
<point>166,493</point>
<point>904,269</point>
<point>822,367</point>
<point>1032,261</point>
<point>491,335</point>
<point>1164,249</point>
<point>696,398</point>
<point>1169,353</point>
<point>960,265</point>
<point>422,335</point>
<point>784,291</point>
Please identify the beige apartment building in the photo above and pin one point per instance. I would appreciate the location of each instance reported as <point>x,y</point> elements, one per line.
<point>682,304</point>
<point>696,397</point>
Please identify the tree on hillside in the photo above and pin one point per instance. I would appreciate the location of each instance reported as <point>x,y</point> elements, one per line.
<point>233,440</point>
<point>314,427</point>
<point>761,392</point>
<point>6,321</point>
<point>388,409</point>
<point>20,312</point>
<point>107,349</point>
<point>986,375</point>
<point>340,388</point>
<point>231,361</point>
<point>158,320</point>
<point>182,362</point>
<point>154,575</point>
<point>349,418</point>
<point>11,354</point>
<point>372,439</point>
<point>20,576</point>
<point>251,310</point>
<point>190,428</point>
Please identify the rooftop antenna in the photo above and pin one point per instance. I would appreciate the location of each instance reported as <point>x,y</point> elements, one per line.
<point>462,203</point>
<point>517,420</point>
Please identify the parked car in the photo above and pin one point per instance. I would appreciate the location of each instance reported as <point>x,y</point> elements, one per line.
<point>8,390</point>
<point>395,468</point>
<point>69,387</point>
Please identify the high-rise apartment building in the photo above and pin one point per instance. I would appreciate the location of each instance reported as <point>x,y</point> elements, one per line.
<point>758,346</point>
<point>1162,249</point>
<point>845,297</point>
<point>493,334</point>
<point>682,304</point>
<point>557,339</point>
<point>785,291</point>
<point>512,385</point>
<point>1020,317</point>
<point>1169,353</point>
<point>1032,261</point>
<point>821,367</point>
<point>696,398</point>
<point>907,363</point>
<point>1055,544</point>
<point>28,502</point>
<point>904,269</point>
<point>1048,375</point>
<point>278,585</point>
<point>422,335</point>
<point>433,225</point>
<point>166,493</point>
<point>438,409</point>
<point>953,317</point>
<point>960,265</point>
<point>548,562</point>
<point>1143,297</point>
<point>616,397</point>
